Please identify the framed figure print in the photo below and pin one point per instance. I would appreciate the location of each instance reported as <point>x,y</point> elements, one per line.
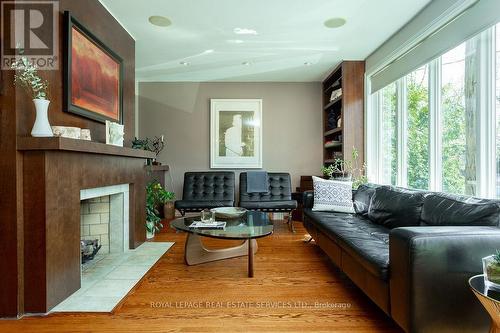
<point>235,133</point>
<point>93,75</point>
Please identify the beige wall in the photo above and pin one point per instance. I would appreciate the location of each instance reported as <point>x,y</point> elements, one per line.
<point>181,111</point>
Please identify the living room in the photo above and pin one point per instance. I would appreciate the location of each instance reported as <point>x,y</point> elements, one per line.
<point>244,166</point>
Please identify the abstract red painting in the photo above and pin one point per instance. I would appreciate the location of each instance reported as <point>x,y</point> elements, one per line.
<point>93,76</point>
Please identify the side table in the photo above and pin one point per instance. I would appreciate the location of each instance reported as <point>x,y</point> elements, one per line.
<point>489,298</point>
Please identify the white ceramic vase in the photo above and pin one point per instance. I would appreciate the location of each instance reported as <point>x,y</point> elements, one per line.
<point>42,127</point>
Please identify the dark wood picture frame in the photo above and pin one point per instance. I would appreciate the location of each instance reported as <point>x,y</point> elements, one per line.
<point>71,23</point>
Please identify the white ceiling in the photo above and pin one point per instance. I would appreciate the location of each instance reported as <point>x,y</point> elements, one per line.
<point>290,33</point>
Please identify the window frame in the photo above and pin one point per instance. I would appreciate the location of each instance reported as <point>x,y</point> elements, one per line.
<point>486,124</point>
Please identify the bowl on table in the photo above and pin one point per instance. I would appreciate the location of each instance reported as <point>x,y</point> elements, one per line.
<point>229,212</point>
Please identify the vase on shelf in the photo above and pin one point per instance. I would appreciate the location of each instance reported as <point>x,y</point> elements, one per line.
<point>41,128</point>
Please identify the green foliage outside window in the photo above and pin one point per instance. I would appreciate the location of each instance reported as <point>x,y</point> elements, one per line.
<point>454,138</point>
<point>418,131</point>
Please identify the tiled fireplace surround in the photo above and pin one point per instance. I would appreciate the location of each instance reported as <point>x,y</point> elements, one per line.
<point>115,270</point>
<point>104,216</point>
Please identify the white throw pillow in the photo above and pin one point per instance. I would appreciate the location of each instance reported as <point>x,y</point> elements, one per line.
<point>332,196</point>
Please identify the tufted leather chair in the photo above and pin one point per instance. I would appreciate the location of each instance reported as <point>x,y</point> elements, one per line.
<point>205,190</point>
<point>278,198</point>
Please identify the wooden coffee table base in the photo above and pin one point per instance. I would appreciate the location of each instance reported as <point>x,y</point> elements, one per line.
<point>196,253</point>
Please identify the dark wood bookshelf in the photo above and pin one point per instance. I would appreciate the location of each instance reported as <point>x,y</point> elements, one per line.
<point>332,103</point>
<point>333,131</point>
<point>349,107</point>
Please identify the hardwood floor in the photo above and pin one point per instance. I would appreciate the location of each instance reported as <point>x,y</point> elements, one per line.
<point>295,289</point>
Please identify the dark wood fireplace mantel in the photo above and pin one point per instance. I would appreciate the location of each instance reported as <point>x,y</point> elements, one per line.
<point>54,172</point>
<point>58,143</point>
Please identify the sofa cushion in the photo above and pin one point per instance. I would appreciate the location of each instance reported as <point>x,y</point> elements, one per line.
<point>395,207</point>
<point>363,240</point>
<point>442,209</point>
<point>332,195</point>
<point>362,196</point>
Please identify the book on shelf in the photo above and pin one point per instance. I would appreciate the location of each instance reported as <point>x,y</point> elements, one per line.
<point>333,143</point>
<point>336,94</point>
<point>208,225</point>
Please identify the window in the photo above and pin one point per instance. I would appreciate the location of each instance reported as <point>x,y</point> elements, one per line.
<point>388,100</point>
<point>458,106</point>
<point>417,96</point>
<point>497,104</point>
<point>429,132</point>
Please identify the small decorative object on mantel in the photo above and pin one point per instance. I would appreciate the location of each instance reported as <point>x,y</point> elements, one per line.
<point>491,269</point>
<point>157,145</point>
<point>71,132</point>
<point>85,134</point>
<point>28,78</point>
<point>114,133</point>
<point>67,132</point>
<point>144,144</point>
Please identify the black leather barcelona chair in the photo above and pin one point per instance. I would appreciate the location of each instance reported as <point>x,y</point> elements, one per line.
<point>206,190</point>
<point>277,199</point>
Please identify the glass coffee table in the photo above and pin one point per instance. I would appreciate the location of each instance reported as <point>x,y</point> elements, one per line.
<point>248,228</point>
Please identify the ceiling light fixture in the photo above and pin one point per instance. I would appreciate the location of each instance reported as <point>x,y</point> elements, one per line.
<point>208,51</point>
<point>246,63</point>
<point>184,63</point>
<point>335,22</point>
<point>245,31</point>
<point>159,21</point>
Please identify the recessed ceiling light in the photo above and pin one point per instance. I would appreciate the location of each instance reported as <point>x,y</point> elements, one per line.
<point>307,63</point>
<point>184,63</point>
<point>245,31</point>
<point>160,21</point>
<point>335,22</point>
<point>234,41</point>
<point>246,63</point>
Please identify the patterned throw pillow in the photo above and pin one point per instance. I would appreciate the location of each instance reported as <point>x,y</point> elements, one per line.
<point>332,196</point>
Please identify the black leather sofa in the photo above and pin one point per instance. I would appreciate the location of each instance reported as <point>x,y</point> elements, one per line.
<point>412,253</point>
<point>206,190</point>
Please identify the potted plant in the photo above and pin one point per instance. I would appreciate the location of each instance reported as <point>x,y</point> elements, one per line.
<point>153,221</point>
<point>347,170</point>
<point>27,77</point>
<point>491,269</point>
<point>157,145</point>
<point>166,199</point>
<point>144,144</point>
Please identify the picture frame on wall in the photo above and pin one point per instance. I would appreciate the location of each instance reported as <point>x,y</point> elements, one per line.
<point>236,133</point>
<point>93,75</point>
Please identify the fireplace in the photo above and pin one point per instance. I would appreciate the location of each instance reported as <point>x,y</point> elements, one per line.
<point>104,219</point>
<point>58,174</point>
